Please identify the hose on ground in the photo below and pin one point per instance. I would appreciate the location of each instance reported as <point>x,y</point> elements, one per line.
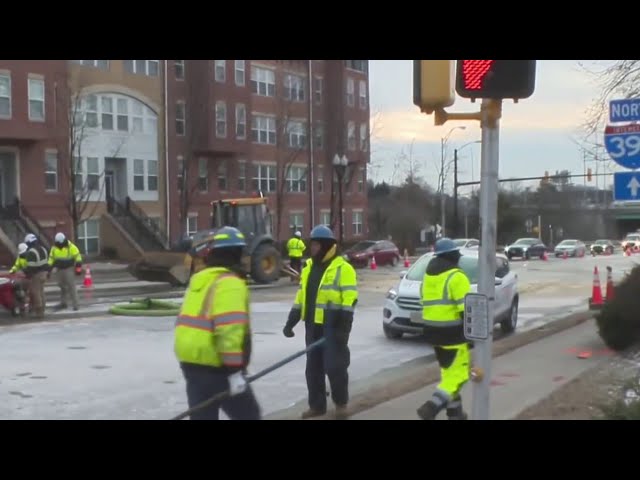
<point>146,307</point>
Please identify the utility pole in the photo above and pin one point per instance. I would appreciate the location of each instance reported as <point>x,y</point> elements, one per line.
<point>455,193</point>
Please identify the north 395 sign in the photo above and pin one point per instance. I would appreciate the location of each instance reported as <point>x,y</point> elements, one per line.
<point>623,145</point>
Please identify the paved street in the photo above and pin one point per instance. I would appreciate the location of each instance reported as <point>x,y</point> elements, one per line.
<point>123,367</point>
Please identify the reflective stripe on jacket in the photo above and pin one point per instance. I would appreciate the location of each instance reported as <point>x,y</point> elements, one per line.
<point>213,326</point>
<point>338,289</point>
<point>37,260</point>
<point>443,298</point>
<point>295,247</point>
<point>62,258</point>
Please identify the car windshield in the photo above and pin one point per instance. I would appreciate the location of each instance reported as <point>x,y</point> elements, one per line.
<point>468,264</point>
<point>362,246</point>
<point>525,241</point>
<point>567,243</point>
<point>460,242</point>
<point>633,237</point>
<point>602,242</point>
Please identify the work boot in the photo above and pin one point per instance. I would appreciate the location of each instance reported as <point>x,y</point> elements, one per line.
<point>60,306</point>
<point>75,309</point>
<point>456,414</point>
<point>312,413</point>
<point>342,412</point>
<point>428,411</point>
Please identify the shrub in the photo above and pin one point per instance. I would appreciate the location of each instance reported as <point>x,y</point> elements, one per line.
<point>619,320</point>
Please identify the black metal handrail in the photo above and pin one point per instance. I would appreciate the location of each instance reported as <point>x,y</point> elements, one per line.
<point>140,215</point>
<point>23,212</point>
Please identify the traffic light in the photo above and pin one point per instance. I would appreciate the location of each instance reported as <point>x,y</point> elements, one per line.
<point>433,84</point>
<point>589,175</point>
<point>496,79</point>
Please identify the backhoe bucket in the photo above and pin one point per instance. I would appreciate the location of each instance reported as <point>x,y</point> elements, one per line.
<point>168,267</point>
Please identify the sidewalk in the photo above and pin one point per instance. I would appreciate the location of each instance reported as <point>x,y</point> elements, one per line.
<point>520,378</point>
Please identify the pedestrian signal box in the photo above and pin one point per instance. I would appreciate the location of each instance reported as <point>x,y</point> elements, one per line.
<point>495,79</point>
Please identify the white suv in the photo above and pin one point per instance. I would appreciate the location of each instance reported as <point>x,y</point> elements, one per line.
<point>404,299</point>
<point>632,239</point>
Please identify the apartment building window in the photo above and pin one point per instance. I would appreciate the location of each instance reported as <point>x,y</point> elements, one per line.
<point>221,119</point>
<point>5,96</point>
<point>102,64</point>
<point>220,71</point>
<point>351,135</point>
<point>137,117</point>
<point>356,222</point>
<point>107,113</point>
<point>89,237</point>
<point>296,221</point>
<point>358,65</point>
<point>152,175</point>
<point>318,136</point>
<point>351,92</point>
<point>317,90</point>
<point>296,179</point>
<point>203,175</point>
<point>222,176</point>
<point>264,179</point>
<point>263,129</point>
<point>142,67</point>
<point>36,99</point>
<point>296,134</point>
<point>123,115</point>
<point>78,181</point>
<point>294,88</point>
<point>362,91</point>
<point>320,180</point>
<point>192,224</point>
<point>242,176</point>
<point>91,111</point>
<point>93,174</point>
<point>178,66</point>
<point>138,175</point>
<point>364,136</point>
<point>325,217</point>
<point>180,118</point>
<point>241,121</point>
<point>51,171</point>
<point>263,82</point>
<point>239,73</point>
<point>180,175</point>
<point>361,180</point>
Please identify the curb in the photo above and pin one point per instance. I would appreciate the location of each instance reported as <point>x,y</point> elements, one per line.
<point>421,372</point>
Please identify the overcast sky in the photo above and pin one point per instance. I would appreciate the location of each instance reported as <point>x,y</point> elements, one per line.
<point>536,134</point>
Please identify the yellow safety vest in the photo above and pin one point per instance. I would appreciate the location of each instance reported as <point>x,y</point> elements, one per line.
<point>443,298</point>
<point>20,264</point>
<point>213,327</point>
<point>66,257</point>
<point>338,289</point>
<point>295,247</point>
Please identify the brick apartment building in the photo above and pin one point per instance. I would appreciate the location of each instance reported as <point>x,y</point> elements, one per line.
<point>143,131</point>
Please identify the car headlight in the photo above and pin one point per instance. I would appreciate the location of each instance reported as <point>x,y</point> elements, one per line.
<point>392,294</point>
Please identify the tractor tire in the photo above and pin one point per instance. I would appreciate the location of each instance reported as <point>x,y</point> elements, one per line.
<point>266,264</point>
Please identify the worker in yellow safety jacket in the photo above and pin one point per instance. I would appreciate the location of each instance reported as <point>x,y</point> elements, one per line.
<point>65,257</point>
<point>21,261</point>
<point>295,249</point>
<point>444,288</point>
<point>326,302</point>
<point>213,333</point>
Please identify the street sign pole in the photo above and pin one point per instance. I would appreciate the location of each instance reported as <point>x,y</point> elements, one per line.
<point>491,112</point>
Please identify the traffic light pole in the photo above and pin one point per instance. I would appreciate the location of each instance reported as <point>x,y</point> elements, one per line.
<point>455,194</point>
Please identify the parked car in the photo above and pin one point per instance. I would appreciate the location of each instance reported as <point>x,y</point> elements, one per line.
<point>405,299</point>
<point>573,248</point>
<point>467,243</point>
<point>602,246</point>
<point>384,251</point>
<point>632,240</point>
<point>525,248</point>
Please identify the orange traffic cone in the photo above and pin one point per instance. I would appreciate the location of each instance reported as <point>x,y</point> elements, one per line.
<point>545,257</point>
<point>596,301</point>
<point>565,255</point>
<point>88,281</point>
<point>610,291</point>
<point>374,265</point>
<point>406,259</point>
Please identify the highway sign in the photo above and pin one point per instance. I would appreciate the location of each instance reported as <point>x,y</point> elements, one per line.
<point>624,110</point>
<point>626,186</point>
<point>623,145</point>
<point>476,317</point>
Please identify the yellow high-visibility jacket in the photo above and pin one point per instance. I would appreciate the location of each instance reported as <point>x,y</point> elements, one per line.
<point>62,258</point>
<point>295,247</point>
<point>20,264</point>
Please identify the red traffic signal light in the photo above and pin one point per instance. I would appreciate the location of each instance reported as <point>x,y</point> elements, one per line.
<point>495,79</point>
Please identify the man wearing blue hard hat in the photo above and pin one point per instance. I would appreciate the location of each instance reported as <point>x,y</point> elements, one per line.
<point>444,288</point>
<point>326,301</point>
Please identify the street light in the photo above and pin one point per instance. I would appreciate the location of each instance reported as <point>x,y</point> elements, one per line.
<point>455,187</point>
<point>443,143</point>
<point>340,164</point>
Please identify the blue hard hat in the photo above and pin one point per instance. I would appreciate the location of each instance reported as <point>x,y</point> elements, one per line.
<point>228,237</point>
<point>322,232</point>
<point>445,245</point>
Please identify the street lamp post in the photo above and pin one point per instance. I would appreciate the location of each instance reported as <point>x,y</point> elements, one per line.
<point>455,187</point>
<point>340,164</point>
<point>443,144</point>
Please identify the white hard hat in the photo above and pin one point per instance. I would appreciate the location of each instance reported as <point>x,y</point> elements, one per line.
<point>22,248</point>
<point>298,234</point>
<point>30,237</point>
<point>60,237</point>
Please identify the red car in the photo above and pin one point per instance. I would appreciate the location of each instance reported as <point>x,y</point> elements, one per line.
<point>385,252</point>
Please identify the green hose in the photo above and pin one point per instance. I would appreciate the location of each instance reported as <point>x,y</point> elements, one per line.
<point>146,307</point>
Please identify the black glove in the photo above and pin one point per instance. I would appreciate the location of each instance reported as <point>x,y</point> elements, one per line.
<point>288,332</point>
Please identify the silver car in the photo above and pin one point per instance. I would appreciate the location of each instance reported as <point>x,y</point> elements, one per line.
<point>572,248</point>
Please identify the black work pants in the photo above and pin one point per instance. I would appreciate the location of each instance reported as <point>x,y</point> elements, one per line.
<point>333,360</point>
<point>205,382</point>
<point>296,264</point>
